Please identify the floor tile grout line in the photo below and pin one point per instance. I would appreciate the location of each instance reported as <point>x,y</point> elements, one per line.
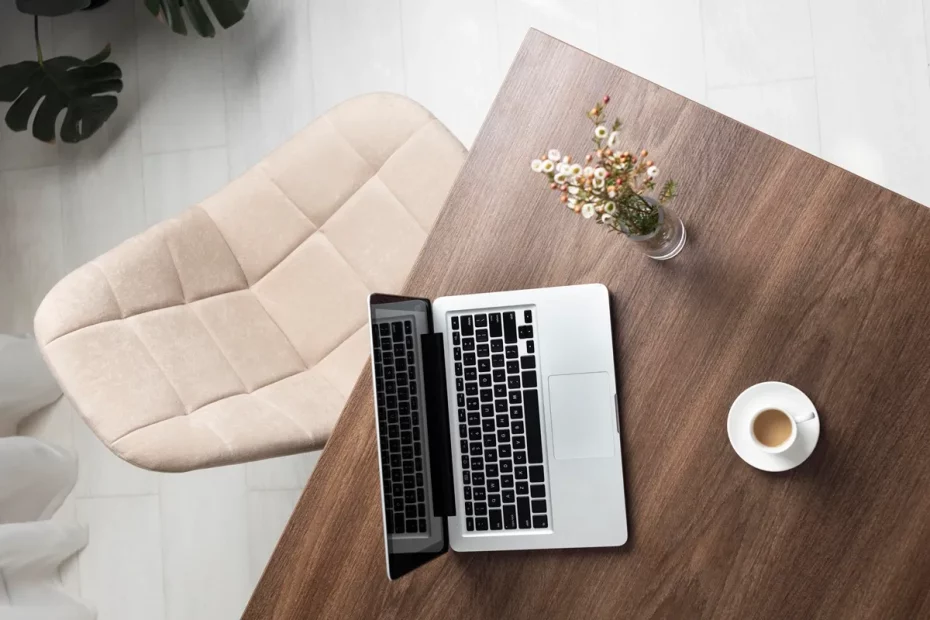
<point>810,24</point>
<point>761,83</point>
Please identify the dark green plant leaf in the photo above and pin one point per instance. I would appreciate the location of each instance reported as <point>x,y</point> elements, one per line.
<point>226,12</point>
<point>50,8</point>
<point>80,87</point>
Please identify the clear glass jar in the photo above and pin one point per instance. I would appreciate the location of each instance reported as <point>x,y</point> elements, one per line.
<point>666,241</point>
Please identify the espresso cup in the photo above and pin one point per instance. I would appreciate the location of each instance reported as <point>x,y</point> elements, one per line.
<point>774,430</point>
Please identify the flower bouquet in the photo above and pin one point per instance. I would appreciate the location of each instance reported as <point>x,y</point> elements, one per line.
<point>611,187</point>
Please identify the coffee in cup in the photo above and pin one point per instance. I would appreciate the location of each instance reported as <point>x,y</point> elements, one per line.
<point>775,430</point>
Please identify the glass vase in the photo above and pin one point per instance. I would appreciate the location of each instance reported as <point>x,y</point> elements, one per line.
<point>666,241</point>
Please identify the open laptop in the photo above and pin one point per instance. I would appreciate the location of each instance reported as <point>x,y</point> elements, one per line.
<point>498,423</point>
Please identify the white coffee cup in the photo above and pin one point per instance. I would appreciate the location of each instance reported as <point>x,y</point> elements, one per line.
<point>769,429</point>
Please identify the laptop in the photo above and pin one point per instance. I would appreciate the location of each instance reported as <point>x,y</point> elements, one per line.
<point>497,421</point>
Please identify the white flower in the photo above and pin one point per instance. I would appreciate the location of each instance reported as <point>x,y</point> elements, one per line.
<point>536,165</point>
<point>652,172</point>
<point>620,167</point>
<point>588,171</point>
<point>598,183</point>
<point>554,155</point>
<point>613,139</point>
<point>573,191</point>
<point>607,219</point>
<point>587,210</point>
<point>600,132</point>
<point>575,170</point>
<point>560,178</point>
<point>611,194</point>
<point>548,166</point>
<point>600,173</point>
<point>571,202</point>
<point>560,167</point>
<point>610,207</point>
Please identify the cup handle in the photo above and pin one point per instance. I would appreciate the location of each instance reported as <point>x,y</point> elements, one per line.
<point>805,417</point>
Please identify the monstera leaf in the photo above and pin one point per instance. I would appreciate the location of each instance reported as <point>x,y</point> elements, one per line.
<point>51,8</point>
<point>80,87</point>
<point>226,12</point>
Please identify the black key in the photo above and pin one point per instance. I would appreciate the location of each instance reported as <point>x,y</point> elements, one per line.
<point>510,518</point>
<point>533,436</point>
<point>390,387</point>
<point>514,398</point>
<point>497,346</point>
<point>529,379</point>
<point>456,353</point>
<point>481,524</point>
<point>477,477</point>
<point>503,434</point>
<point>489,441</point>
<point>398,504</point>
<point>527,362</point>
<point>537,474</point>
<point>400,364</point>
<point>484,380</point>
<point>413,390</point>
<point>409,342</point>
<point>481,320</point>
<point>408,468</point>
<point>513,382</point>
<point>422,522</point>
<point>459,384</point>
<point>471,374</point>
<point>473,433</point>
<point>471,388</point>
<point>468,344</point>
<point>419,480</point>
<point>517,427</point>
<point>494,324</point>
<point>385,329</point>
<point>487,425</point>
<point>500,406</point>
<point>494,485</point>
<point>455,322</point>
<point>539,505</point>
<point>469,359</point>
<point>530,347</point>
<point>484,365</point>
<point>460,400</point>
<point>527,316</point>
<point>396,460</point>
<point>481,508</point>
<point>468,511</point>
<point>504,451</point>
<point>473,417</point>
<point>519,443</point>
<point>496,519</point>
<point>411,512</point>
<point>472,404</point>
<point>500,391</point>
<point>497,361</point>
<point>490,456</point>
<point>458,369</point>
<point>394,445</point>
<point>506,481</point>
<point>464,461</point>
<point>490,469</point>
<point>475,449</point>
<point>523,487</point>
<point>398,489</point>
<point>519,457</point>
<point>399,350</point>
<point>510,327</point>
<point>399,524</point>
<point>467,327</point>
<point>508,496</point>
<point>481,335</point>
<point>494,501</point>
<point>506,465</point>
<point>502,420</point>
<point>516,412</point>
<point>498,375</point>
<point>537,490</point>
<point>526,331</point>
<point>479,494</point>
<point>469,522</point>
<point>512,352</point>
<point>513,367</point>
<point>405,452</point>
<point>456,339</point>
<point>410,358</point>
<point>421,508</point>
<point>477,464</point>
<point>397,330</point>
<point>416,437</point>
<point>487,410</point>
<point>461,415</point>
<point>393,431</point>
<point>466,492</point>
<point>463,446</point>
<point>540,521</point>
<point>388,358</point>
<point>523,512</point>
<point>520,473</point>
<point>487,395</point>
<point>482,350</point>
<point>401,379</point>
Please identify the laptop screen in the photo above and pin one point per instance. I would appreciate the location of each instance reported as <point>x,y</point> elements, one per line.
<point>414,530</point>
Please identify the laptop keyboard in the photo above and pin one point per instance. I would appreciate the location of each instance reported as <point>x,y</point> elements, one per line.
<point>401,442</point>
<point>498,410</point>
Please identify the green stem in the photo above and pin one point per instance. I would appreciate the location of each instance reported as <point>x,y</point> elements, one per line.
<point>35,29</point>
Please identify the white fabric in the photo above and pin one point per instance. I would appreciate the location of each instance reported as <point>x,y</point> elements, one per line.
<point>35,478</point>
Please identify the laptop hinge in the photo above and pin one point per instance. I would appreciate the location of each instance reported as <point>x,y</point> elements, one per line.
<point>437,423</point>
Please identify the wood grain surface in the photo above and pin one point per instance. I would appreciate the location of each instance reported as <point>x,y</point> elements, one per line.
<point>795,270</point>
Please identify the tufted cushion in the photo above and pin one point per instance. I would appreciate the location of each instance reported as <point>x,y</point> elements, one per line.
<point>236,331</point>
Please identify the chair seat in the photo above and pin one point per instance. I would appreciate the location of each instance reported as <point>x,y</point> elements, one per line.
<point>237,330</point>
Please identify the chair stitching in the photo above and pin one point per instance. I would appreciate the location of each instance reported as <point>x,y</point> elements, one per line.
<point>229,363</point>
<point>282,332</point>
<point>226,242</point>
<point>174,263</point>
<point>148,351</point>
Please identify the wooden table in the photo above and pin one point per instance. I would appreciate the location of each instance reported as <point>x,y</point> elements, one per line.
<point>795,270</point>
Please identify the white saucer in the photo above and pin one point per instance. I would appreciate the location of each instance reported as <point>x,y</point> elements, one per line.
<point>782,396</point>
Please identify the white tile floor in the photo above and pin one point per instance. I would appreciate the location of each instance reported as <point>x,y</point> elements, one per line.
<point>847,80</point>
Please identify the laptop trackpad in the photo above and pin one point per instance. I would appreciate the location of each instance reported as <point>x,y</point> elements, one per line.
<point>582,413</point>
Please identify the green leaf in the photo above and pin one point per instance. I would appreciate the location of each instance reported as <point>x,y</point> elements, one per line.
<point>82,87</point>
<point>50,8</point>
<point>227,13</point>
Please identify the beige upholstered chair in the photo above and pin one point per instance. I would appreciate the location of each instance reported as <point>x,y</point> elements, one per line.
<point>235,331</point>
